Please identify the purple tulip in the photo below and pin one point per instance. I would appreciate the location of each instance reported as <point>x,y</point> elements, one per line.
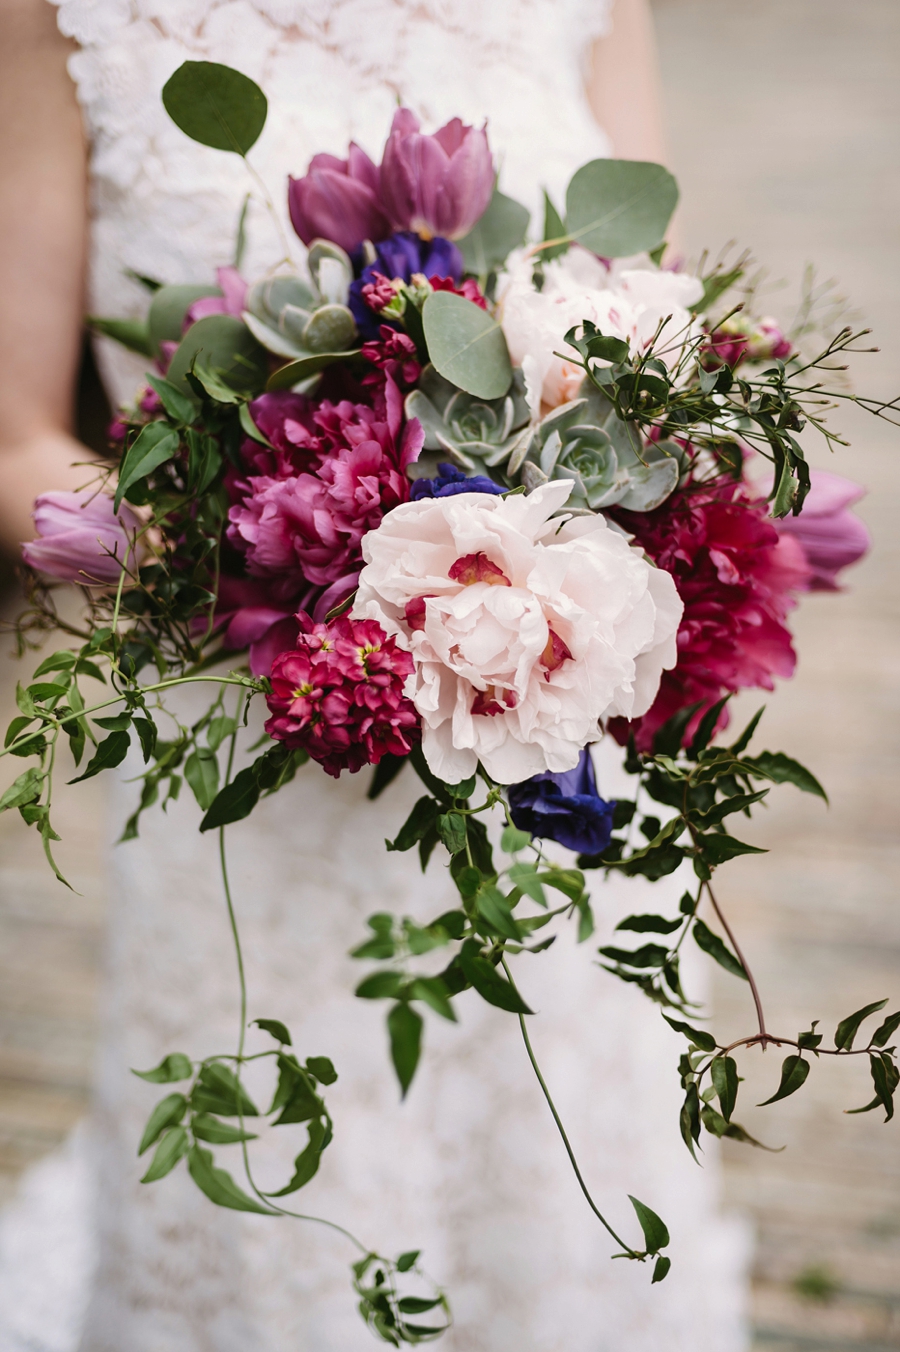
<point>80,538</point>
<point>436,185</point>
<point>829,534</point>
<point>339,200</point>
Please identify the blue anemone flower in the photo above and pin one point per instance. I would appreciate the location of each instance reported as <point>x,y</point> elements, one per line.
<point>401,255</point>
<point>451,481</point>
<point>564,807</point>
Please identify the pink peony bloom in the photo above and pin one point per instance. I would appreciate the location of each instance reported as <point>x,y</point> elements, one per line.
<point>436,185</point>
<point>231,301</point>
<point>339,200</point>
<point>80,538</point>
<point>310,525</point>
<point>286,420</point>
<point>525,628</point>
<point>829,534</point>
<point>338,694</point>
<point>735,575</point>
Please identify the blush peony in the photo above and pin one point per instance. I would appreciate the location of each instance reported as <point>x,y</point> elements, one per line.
<point>625,298</point>
<point>524,630</point>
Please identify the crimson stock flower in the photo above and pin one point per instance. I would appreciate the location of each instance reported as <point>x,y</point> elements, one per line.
<point>736,576</point>
<point>338,695</point>
<point>339,200</point>
<point>436,185</point>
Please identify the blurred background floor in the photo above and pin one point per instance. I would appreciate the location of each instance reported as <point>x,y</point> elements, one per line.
<point>783,127</point>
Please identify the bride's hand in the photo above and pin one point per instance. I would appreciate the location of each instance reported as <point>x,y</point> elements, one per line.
<point>43,226</point>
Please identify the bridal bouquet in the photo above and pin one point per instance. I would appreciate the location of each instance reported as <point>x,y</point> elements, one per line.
<point>447,499</point>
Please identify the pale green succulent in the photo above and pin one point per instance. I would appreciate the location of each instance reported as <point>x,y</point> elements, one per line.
<point>479,434</point>
<point>296,318</point>
<point>587,442</point>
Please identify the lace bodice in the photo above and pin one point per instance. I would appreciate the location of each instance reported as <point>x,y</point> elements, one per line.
<point>333,70</point>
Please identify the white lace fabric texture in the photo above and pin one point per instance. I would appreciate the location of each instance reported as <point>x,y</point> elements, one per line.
<point>470,1167</point>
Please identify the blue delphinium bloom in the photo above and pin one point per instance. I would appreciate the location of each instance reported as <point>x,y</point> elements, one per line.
<point>401,255</point>
<point>451,481</point>
<point>564,807</point>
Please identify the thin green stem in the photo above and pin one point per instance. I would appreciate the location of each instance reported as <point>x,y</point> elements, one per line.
<point>632,1253</point>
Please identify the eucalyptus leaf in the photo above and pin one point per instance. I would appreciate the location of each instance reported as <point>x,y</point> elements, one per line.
<point>288,376</point>
<point>466,345</point>
<point>170,304</point>
<point>131,333</point>
<point>490,241</point>
<point>620,207</point>
<point>216,105</point>
<point>226,348</point>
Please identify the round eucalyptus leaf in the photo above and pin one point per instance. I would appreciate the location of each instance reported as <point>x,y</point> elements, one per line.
<point>224,346</point>
<point>466,345</point>
<point>620,207</point>
<point>168,308</point>
<point>500,230</point>
<point>216,105</point>
<point>288,376</point>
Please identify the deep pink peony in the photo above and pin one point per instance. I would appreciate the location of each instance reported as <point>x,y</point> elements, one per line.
<point>81,538</point>
<point>735,575</point>
<point>339,200</point>
<point>436,185</point>
<point>339,695</point>
<point>308,526</point>
<point>286,420</point>
<point>829,534</point>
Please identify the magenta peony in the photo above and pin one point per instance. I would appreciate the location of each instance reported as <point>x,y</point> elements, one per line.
<point>735,575</point>
<point>339,695</point>
<point>308,526</point>
<point>436,185</point>
<point>80,537</point>
<point>829,534</point>
<point>338,200</point>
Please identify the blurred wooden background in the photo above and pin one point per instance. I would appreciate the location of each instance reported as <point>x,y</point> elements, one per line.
<point>783,129</point>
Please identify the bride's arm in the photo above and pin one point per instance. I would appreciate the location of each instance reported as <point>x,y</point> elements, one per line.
<point>623,85</point>
<point>43,228</point>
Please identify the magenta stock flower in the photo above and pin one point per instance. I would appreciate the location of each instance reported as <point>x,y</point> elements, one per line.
<point>829,534</point>
<point>339,695</point>
<point>338,200</point>
<point>80,537</point>
<point>436,185</point>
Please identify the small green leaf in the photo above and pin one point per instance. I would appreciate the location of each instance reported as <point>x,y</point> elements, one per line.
<point>420,820</point>
<point>172,1068</point>
<point>219,1091</point>
<point>490,985</point>
<point>201,770</point>
<point>620,207</point>
<point>23,790</point>
<point>233,802</point>
<point>466,345</point>
<point>276,1028</point>
<point>156,443</point>
<point>218,1185</point>
<point>513,840</point>
<point>174,1144</point>
<point>706,728</point>
<point>661,1270</point>
<point>656,1236</point>
<point>848,1028</point>
<point>384,985</point>
<point>58,661</point>
<point>167,1113</point>
<point>554,228</point>
<point>649,924</point>
<point>810,1040</point>
<point>718,849</point>
<point>451,827</point>
<point>713,945</point>
<point>496,910</point>
<point>110,753</point>
<point>406,1261</point>
<point>208,1128</point>
<point>433,992</point>
<point>180,408</point>
<point>500,230</point>
<point>322,1068</point>
<point>705,1041</point>
<point>525,878</point>
<point>738,747</point>
<point>405,1030</point>
<point>216,105</point>
<point>287,376</point>
<point>782,770</point>
<point>884,1031</point>
<point>794,1071</point>
<point>417,1304</point>
<point>306,1165</point>
<point>725,1079</point>
<point>131,333</point>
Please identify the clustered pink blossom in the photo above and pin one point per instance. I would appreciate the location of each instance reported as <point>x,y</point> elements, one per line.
<point>394,352</point>
<point>736,576</point>
<point>339,695</point>
<point>739,338</point>
<point>468,287</point>
<point>307,526</point>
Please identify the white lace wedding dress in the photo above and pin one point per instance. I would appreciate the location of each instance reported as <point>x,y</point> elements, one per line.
<point>470,1167</point>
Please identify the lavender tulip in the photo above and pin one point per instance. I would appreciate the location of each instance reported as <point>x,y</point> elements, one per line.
<point>829,534</point>
<point>436,185</point>
<point>339,200</point>
<point>80,538</point>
